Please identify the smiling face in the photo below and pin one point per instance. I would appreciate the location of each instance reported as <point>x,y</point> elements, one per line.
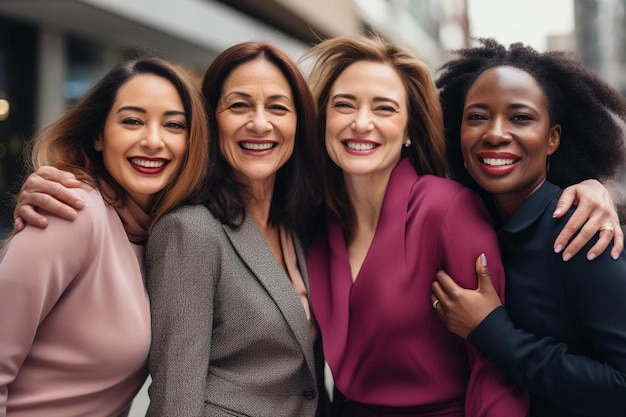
<point>257,120</point>
<point>506,136</point>
<point>366,119</point>
<point>145,137</point>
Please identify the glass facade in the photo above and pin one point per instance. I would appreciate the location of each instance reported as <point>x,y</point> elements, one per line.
<point>85,62</point>
<point>17,107</point>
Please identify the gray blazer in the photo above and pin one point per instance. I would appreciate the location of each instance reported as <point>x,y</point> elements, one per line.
<point>229,334</point>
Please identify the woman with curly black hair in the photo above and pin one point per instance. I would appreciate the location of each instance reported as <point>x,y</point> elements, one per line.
<point>519,126</point>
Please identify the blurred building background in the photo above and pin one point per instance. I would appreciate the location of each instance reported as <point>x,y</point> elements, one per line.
<point>601,38</point>
<point>52,51</point>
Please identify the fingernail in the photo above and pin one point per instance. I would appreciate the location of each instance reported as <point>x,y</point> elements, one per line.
<point>591,256</point>
<point>556,212</point>
<point>79,203</point>
<point>483,260</point>
<point>567,256</point>
<point>615,255</point>
<point>558,248</point>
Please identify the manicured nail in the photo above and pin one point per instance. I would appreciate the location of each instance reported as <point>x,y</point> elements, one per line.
<point>567,256</point>
<point>556,212</point>
<point>615,255</point>
<point>558,248</point>
<point>483,260</point>
<point>591,256</point>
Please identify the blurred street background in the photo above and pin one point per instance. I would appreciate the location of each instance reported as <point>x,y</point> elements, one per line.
<point>52,51</point>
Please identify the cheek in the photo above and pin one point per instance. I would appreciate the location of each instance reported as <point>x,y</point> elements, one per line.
<point>333,123</point>
<point>466,145</point>
<point>112,152</point>
<point>287,131</point>
<point>180,147</point>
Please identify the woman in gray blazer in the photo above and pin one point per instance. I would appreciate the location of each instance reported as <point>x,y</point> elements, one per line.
<point>233,332</point>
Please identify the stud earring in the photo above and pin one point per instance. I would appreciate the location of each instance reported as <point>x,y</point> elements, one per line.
<point>407,143</point>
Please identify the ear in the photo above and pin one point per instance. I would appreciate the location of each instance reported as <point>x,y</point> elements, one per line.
<point>97,144</point>
<point>554,140</point>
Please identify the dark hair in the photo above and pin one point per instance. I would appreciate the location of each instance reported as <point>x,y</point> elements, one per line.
<point>68,144</point>
<point>425,123</point>
<point>296,193</point>
<point>592,115</point>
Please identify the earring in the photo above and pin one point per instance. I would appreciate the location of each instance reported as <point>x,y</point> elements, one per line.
<point>407,143</point>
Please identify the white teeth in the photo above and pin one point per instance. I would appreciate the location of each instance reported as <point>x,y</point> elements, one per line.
<point>360,146</point>
<point>257,146</point>
<point>147,164</point>
<point>497,161</point>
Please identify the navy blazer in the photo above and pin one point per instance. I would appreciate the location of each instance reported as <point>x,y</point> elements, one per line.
<point>565,340</point>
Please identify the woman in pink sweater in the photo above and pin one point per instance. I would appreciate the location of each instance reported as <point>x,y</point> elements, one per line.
<point>74,314</point>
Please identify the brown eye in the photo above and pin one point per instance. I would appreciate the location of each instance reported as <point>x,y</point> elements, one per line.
<point>131,121</point>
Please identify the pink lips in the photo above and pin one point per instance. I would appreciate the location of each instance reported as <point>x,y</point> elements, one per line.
<point>257,147</point>
<point>148,166</point>
<point>359,146</point>
<point>497,163</point>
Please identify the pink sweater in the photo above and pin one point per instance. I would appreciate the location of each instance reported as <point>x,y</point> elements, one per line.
<point>74,317</point>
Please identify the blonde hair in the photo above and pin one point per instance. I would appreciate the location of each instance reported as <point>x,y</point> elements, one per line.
<point>427,151</point>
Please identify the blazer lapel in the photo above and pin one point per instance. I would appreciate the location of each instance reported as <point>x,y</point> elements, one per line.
<point>257,255</point>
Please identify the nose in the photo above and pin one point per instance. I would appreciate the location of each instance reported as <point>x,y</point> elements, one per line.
<point>152,138</point>
<point>362,122</point>
<point>259,123</point>
<point>497,132</point>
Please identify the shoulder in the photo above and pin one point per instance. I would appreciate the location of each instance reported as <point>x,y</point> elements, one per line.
<point>73,241</point>
<point>186,226</point>
<point>94,203</point>
<point>447,187</point>
<point>444,193</point>
<point>91,218</point>
<point>188,217</point>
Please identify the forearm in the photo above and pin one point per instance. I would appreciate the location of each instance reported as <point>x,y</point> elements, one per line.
<point>545,367</point>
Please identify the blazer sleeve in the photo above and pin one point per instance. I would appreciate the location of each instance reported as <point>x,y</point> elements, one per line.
<point>36,268</point>
<point>579,383</point>
<point>182,265</point>
<point>467,231</point>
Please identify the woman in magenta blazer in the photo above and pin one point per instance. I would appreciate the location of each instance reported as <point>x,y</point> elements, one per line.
<point>392,222</point>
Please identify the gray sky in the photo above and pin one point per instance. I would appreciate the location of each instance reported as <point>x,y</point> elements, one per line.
<point>527,21</point>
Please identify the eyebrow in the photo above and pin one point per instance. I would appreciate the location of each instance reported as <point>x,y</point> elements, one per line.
<point>510,106</point>
<point>376,99</point>
<point>142,110</point>
<point>246,95</point>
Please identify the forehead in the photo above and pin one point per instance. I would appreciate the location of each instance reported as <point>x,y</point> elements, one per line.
<point>505,80</point>
<point>506,83</point>
<point>148,90</point>
<point>363,77</point>
<point>144,82</point>
<point>257,74</point>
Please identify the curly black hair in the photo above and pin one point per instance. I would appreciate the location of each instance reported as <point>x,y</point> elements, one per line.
<point>591,113</point>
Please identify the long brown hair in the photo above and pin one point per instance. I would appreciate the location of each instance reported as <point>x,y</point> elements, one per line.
<point>297,194</point>
<point>67,144</point>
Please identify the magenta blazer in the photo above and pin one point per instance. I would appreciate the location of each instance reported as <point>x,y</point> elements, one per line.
<point>382,339</point>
